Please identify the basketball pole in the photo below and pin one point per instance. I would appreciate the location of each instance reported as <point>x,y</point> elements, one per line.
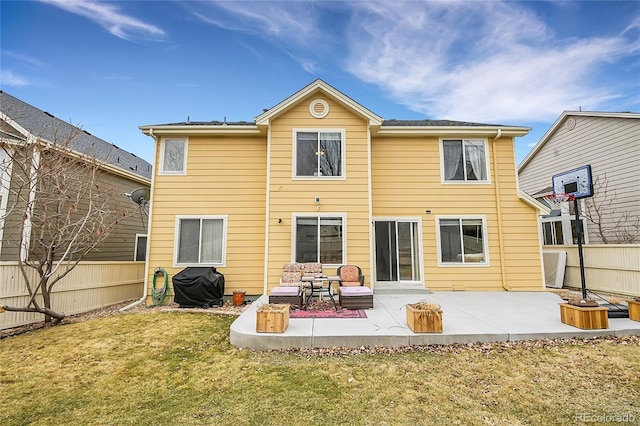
<point>580,255</point>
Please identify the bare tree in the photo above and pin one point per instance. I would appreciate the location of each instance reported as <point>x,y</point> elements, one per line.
<point>59,210</point>
<point>613,225</point>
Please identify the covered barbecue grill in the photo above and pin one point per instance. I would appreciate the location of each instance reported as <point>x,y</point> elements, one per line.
<point>198,287</point>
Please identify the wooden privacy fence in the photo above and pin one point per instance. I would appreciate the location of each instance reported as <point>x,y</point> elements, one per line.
<point>609,268</point>
<point>91,285</point>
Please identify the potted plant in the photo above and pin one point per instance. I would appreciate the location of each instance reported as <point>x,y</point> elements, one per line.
<point>238,297</point>
<point>424,317</point>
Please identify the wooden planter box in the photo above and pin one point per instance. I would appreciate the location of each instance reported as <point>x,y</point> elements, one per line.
<point>634,310</point>
<point>424,321</point>
<point>272,318</point>
<point>590,318</point>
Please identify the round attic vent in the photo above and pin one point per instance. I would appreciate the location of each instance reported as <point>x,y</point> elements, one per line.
<point>571,123</point>
<point>319,108</point>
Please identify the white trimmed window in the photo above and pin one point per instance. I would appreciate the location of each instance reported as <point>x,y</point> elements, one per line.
<point>560,230</point>
<point>4,165</point>
<point>464,160</point>
<point>462,241</point>
<point>5,183</point>
<point>319,239</point>
<point>173,157</point>
<point>140,254</point>
<point>318,154</point>
<point>200,240</point>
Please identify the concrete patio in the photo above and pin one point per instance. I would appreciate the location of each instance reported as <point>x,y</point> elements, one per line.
<point>468,317</point>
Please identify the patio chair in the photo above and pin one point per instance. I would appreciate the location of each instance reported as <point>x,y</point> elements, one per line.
<point>290,288</point>
<point>312,271</point>
<point>291,275</point>
<point>350,276</point>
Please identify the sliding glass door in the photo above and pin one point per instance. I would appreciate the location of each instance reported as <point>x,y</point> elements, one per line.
<point>397,251</point>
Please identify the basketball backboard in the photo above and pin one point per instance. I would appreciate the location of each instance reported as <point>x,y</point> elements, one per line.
<point>576,182</point>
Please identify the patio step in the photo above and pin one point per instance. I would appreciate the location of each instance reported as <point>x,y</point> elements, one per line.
<point>400,289</point>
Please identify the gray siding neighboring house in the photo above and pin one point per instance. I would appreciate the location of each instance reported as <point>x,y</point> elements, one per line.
<point>123,172</point>
<point>610,143</point>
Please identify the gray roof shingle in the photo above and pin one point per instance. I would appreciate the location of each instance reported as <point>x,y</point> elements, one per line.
<point>44,125</point>
<point>435,123</point>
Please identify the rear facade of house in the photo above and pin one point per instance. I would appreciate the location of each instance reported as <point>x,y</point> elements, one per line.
<point>320,178</point>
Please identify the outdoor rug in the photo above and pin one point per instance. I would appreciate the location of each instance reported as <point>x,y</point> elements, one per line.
<point>329,313</point>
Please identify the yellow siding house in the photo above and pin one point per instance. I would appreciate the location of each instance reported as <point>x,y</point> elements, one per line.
<point>318,177</point>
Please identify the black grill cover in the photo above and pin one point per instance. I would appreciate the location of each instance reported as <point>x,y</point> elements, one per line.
<point>198,288</point>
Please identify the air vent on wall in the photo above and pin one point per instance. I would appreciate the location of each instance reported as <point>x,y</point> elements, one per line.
<point>319,108</point>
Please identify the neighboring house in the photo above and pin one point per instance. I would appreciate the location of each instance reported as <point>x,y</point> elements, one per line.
<point>124,172</point>
<point>319,177</point>
<point>610,143</point>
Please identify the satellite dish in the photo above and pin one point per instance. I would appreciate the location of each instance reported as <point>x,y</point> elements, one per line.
<point>140,196</point>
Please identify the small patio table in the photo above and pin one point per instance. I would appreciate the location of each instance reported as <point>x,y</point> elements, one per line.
<point>322,289</point>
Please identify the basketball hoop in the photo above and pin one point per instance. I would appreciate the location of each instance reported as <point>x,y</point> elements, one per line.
<point>557,201</point>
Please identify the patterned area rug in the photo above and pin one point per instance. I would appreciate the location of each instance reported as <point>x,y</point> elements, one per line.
<point>329,313</point>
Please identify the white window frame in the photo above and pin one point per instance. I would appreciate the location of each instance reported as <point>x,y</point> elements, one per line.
<point>135,249</point>
<point>5,183</point>
<point>182,172</point>
<point>567,229</point>
<point>294,159</point>
<point>485,242</point>
<point>342,216</point>
<point>176,248</point>
<point>465,181</point>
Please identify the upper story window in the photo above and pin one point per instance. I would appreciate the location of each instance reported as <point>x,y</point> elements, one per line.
<point>5,183</point>
<point>5,163</point>
<point>173,157</point>
<point>464,160</point>
<point>319,154</point>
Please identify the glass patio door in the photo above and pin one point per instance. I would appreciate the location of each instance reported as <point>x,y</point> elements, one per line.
<point>397,251</point>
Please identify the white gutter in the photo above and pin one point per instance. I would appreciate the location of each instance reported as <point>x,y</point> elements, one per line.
<point>542,209</point>
<point>450,130</point>
<point>202,130</point>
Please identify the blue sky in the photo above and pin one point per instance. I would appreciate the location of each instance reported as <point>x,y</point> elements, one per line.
<point>113,66</point>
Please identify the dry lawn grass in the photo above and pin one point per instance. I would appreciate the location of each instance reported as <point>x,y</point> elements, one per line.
<point>178,368</point>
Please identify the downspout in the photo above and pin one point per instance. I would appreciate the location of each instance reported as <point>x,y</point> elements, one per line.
<point>503,274</point>
<point>372,266</point>
<point>267,214</point>
<point>145,291</point>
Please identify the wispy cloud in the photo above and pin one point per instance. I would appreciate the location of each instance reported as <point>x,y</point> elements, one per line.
<point>25,59</point>
<point>8,78</point>
<point>293,21</point>
<point>110,17</point>
<point>483,61</point>
<point>295,26</point>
